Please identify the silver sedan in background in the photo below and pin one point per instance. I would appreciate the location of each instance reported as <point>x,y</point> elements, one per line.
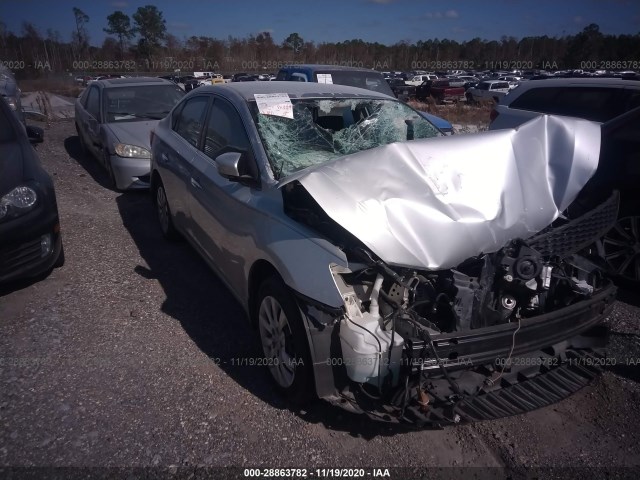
<point>114,118</point>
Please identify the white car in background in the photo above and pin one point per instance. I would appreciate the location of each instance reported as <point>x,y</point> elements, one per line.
<point>488,91</point>
<point>513,81</point>
<point>419,79</point>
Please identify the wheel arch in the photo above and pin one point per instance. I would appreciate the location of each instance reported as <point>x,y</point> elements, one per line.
<point>259,272</point>
<point>155,181</point>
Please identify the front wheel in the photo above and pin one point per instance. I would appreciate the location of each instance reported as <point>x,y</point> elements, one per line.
<point>284,342</point>
<point>106,159</point>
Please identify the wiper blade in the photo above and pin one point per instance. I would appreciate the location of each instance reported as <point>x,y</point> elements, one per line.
<point>152,116</point>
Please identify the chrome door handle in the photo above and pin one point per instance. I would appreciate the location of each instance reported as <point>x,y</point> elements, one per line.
<point>195,183</point>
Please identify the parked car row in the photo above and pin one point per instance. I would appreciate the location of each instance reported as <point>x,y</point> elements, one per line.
<point>387,269</point>
<point>358,77</point>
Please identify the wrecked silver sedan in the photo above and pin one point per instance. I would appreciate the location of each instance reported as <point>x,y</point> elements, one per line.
<point>388,269</point>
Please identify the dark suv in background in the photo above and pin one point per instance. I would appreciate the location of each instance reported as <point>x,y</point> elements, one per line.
<point>350,76</point>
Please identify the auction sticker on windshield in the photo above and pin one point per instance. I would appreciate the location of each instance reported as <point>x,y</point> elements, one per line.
<point>325,78</point>
<point>277,104</point>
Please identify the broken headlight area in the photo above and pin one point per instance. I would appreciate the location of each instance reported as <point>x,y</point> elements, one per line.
<point>500,334</point>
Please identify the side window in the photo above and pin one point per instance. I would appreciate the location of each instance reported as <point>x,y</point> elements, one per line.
<point>226,133</point>
<point>591,103</point>
<point>92,104</point>
<point>537,99</point>
<point>298,77</point>
<point>191,119</point>
<point>282,76</point>
<point>83,97</point>
<point>176,115</point>
<point>631,99</point>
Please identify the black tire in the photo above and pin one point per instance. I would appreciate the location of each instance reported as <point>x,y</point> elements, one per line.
<point>163,212</point>
<point>289,359</point>
<point>60,260</point>
<point>83,148</point>
<point>621,246</point>
<point>106,160</point>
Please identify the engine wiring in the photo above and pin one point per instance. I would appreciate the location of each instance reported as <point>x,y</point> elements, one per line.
<point>492,381</point>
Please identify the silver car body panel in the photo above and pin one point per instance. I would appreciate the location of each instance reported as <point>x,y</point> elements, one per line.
<point>206,208</point>
<point>434,203</point>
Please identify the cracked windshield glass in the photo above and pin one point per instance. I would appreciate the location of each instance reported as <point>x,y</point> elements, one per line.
<point>323,130</point>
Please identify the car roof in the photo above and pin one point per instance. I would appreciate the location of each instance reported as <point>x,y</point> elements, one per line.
<point>246,90</point>
<point>132,81</point>
<point>577,81</point>
<point>493,81</point>
<point>314,67</point>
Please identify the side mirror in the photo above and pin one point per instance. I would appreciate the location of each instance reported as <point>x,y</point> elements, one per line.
<point>230,164</point>
<point>35,134</point>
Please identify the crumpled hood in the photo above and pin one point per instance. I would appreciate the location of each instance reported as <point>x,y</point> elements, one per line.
<point>434,203</point>
<point>133,133</point>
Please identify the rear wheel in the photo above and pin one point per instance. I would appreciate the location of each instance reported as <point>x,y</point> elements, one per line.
<point>163,211</point>
<point>284,342</point>
<point>83,147</point>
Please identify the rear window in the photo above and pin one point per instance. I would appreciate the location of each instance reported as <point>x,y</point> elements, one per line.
<point>591,103</point>
<point>496,86</point>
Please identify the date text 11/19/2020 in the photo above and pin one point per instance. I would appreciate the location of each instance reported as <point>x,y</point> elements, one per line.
<point>316,472</point>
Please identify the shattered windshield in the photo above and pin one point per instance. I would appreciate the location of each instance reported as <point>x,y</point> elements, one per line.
<point>322,130</point>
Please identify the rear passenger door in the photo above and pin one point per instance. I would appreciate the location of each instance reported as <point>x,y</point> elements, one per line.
<point>174,156</point>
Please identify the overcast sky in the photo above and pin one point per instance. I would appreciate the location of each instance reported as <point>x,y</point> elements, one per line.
<point>383,21</point>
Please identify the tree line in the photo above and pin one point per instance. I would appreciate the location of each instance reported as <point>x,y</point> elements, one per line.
<point>142,43</point>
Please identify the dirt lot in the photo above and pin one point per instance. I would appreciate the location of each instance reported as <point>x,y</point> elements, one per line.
<point>125,358</point>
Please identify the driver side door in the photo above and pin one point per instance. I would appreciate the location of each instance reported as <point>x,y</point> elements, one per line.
<point>220,208</point>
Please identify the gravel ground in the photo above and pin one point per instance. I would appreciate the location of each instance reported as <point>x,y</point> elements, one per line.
<point>125,358</point>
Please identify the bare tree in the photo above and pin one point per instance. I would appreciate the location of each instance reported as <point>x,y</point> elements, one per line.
<point>81,37</point>
<point>120,25</point>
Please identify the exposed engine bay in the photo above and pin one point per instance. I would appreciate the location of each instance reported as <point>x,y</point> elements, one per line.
<point>470,289</point>
<point>403,332</point>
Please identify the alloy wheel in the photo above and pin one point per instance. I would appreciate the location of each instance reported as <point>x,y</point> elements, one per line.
<point>622,248</point>
<point>163,209</point>
<point>276,338</point>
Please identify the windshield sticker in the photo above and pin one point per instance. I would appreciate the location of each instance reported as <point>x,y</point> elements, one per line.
<point>276,104</point>
<point>325,78</point>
